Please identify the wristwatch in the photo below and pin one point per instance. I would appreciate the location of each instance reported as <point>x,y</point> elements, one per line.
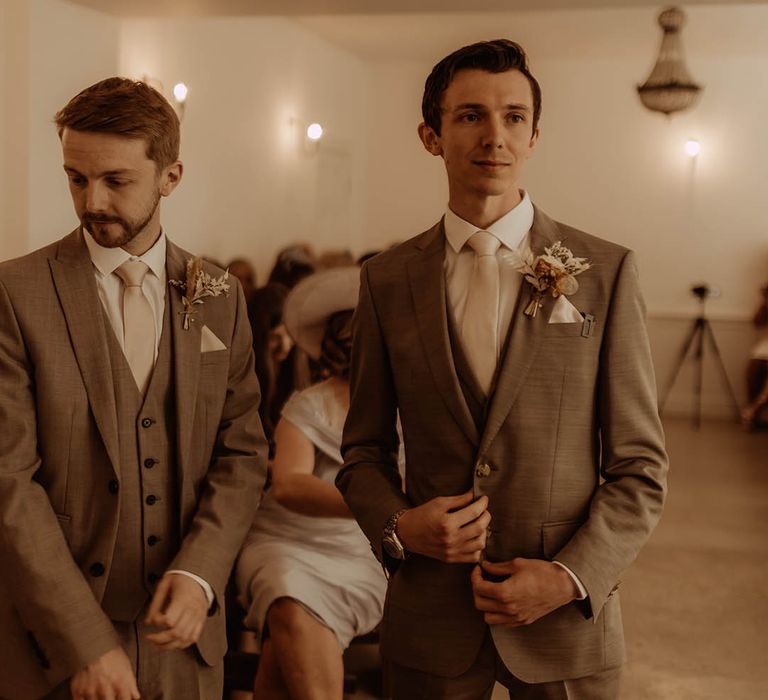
<point>391,542</point>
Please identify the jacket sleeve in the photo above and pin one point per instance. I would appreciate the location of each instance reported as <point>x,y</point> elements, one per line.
<point>66,627</point>
<point>235,477</point>
<point>633,462</point>
<point>370,481</point>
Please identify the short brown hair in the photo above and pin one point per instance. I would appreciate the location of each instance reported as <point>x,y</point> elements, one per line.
<point>497,56</point>
<point>129,108</point>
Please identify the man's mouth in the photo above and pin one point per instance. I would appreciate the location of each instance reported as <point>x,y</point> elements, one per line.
<point>494,164</point>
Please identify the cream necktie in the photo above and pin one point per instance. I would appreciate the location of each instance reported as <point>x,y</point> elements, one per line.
<point>480,327</point>
<point>138,322</point>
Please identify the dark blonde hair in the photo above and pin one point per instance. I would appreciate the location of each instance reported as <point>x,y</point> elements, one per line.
<point>129,108</point>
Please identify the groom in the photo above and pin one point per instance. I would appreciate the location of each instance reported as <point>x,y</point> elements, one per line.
<point>535,461</point>
<point>131,453</point>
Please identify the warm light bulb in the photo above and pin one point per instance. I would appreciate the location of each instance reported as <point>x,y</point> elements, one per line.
<point>180,92</point>
<point>692,148</point>
<point>314,132</point>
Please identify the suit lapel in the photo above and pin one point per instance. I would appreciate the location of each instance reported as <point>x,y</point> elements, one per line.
<point>427,277</point>
<point>525,337</point>
<point>186,355</point>
<point>75,284</point>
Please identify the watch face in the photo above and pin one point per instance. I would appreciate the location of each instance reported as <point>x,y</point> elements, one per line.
<point>391,547</point>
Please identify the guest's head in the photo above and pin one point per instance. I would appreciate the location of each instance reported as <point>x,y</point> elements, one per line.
<point>497,56</point>
<point>318,315</point>
<point>120,141</point>
<point>243,270</point>
<point>292,265</point>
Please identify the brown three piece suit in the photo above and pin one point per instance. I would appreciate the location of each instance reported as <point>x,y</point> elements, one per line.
<point>569,450</point>
<point>103,490</point>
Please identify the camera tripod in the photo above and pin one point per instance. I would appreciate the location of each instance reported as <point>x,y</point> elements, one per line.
<point>701,332</point>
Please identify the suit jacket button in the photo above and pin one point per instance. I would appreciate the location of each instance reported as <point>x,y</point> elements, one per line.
<point>97,569</point>
<point>482,470</point>
<point>114,486</point>
<point>146,422</point>
<point>153,577</point>
<point>152,540</point>
<point>150,462</point>
<point>151,500</point>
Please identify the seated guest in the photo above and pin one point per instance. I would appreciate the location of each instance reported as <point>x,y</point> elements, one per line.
<point>757,370</point>
<point>292,265</point>
<point>243,270</point>
<point>306,574</point>
<point>271,347</point>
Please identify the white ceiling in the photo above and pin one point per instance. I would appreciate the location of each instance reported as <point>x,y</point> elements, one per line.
<point>197,8</point>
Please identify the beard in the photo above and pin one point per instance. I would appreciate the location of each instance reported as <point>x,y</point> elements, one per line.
<point>98,225</point>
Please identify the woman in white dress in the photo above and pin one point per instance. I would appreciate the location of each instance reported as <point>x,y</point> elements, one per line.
<point>306,574</point>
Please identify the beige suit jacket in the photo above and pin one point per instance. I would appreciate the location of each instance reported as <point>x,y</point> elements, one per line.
<point>572,438</point>
<point>59,451</point>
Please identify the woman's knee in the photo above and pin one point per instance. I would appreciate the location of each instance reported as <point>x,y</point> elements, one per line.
<point>286,615</point>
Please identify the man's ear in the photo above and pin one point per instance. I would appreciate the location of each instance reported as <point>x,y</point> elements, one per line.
<point>534,137</point>
<point>430,139</point>
<point>171,177</point>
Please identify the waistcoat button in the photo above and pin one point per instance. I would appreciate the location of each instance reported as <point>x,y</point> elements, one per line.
<point>152,540</point>
<point>151,500</point>
<point>149,463</point>
<point>113,486</point>
<point>153,577</point>
<point>146,422</point>
<point>97,569</point>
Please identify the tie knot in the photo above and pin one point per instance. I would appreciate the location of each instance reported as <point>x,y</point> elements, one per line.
<point>132,272</point>
<point>484,243</point>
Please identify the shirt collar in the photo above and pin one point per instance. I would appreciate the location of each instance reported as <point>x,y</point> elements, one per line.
<point>107,260</point>
<point>510,229</point>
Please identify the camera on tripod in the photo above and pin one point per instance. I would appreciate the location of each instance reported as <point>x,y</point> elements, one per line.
<point>704,291</point>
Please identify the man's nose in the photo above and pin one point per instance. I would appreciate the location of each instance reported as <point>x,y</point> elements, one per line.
<point>96,197</point>
<point>493,134</point>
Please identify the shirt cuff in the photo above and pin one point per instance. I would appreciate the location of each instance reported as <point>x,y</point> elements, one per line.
<point>203,583</point>
<point>575,578</point>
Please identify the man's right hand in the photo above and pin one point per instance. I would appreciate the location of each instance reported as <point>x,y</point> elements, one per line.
<point>110,677</point>
<point>449,528</point>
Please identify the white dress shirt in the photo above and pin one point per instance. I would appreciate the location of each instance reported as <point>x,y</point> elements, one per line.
<point>110,287</point>
<point>513,231</point>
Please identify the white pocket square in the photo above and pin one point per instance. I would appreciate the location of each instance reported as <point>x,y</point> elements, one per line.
<point>209,342</point>
<point>565,312</point>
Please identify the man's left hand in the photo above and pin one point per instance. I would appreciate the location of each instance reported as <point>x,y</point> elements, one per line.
<point>533,588</point>
<point>179,608</point>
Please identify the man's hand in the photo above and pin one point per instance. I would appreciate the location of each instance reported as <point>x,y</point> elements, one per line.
<point>533,588</point>
<point>179,608</point>
<point>449,528</point>
<point>110,677</point>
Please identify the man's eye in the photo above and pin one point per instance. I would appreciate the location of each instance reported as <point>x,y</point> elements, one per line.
<point>516,118</point>
<point>116,183</point>
<point>470,117</point>
<point>76,180</point>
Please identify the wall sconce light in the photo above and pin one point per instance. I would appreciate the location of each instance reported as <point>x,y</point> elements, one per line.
<point>313,135</point>
<point>669,88</point>
<point>314,132</point>
<point>692,147</point>
<point>180,91</point>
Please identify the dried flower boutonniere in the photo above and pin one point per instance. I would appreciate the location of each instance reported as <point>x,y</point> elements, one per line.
<point>555,272</point>
<point>199,285</point>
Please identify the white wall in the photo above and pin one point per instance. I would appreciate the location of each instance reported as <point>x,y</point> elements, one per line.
<point>14,127</point>
<point>251,185</point>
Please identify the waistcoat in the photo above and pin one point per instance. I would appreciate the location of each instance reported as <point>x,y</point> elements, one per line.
<point>148,525</point>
